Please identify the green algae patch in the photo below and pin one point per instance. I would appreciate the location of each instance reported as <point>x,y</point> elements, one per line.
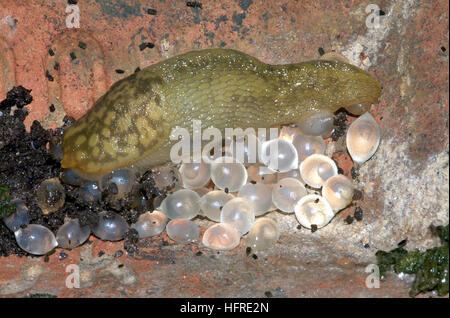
<point>430,267</point>
<point>6,208</point>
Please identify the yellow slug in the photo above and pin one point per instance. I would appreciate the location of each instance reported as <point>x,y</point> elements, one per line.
<point>132,122</point>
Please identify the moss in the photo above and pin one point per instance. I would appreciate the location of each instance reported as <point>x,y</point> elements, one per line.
<point>430,267</point>
<point>5,207</point>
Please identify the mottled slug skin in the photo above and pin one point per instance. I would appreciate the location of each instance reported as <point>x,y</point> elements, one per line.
<point>132,122</point>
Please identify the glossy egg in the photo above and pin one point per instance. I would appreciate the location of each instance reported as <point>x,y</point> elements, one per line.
<point>110,227</point>
<point>195,175</point>
<point>228,174</point>
<point>363,138</point>
<point>308,145</point>
<point>338,191</point>
<point>183,231</point>
<point>182,204</point>
<point>212,203</point>
<point>316,169</point>
<point>313,209</point>
<point>71,234</point>
<point>238,213</point>
<point>36,239</point>
<point>279,155</point>
<point>286,193</point>
<point>263,234</point>
<point>50,195</point>
<point>150,224</point>
<point>260,195</point>
<point>221,237</point>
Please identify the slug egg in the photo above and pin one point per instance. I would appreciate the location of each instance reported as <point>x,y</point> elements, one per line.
<point>264,234</point>
<point>70,176</point>
<point>286,193</point>
<point>358,109</point>
<point>260,195</point>
<point>195,175</point>
<point>318,123</point>
<point>150,224</point>
<point>221,237</point>
<point>279,155</point>
<point>338,191</point>
<point>110,227</point>
<point>164,178</point>
<point>313,209</point>
<point>308,145</point>
<point>201,191</point>
<point>50,195</point>
<point>261,174</point>
<point>90,192</point>
<point>182,204</point>
<point>36,239</point>
<point>211,204</point>
<point>363,138</point>
<point>19,217</point>
<point>316,169</point>
<point>71,234</point>
<point>183,231</point>
<point>119,182</point>
<point>228,174</point>
<point>238,213</point>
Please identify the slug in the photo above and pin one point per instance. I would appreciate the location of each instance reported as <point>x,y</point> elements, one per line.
<point>131,123</point>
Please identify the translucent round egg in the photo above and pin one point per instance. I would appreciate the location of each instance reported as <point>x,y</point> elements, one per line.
<point>238,213</point>
<point>183,231</point>
<point>338,191</point>
<point>286,193</point>
<point>221,237</point>
<point>19,218</point>
<point>182,204</point>
<point>71,234</point>
<point>316,169</point>
<point>70,176</point>
<point>36,239</point>
<point>212,203</point>
<point>313,209</point>
<point>264,234</point>
<point>260,195</point>
<point>279,155</point>
<point>121,181</point>
<point>150,224</point>
<point>245,149</point>
<point>110,227</point>
<point>228,174</point>
<point>195,175</point>
<point>50,195</point>
<point>318,123</point>
<point>90,192</point>
<point>164,179</point>
<point>288,132</point>
<point>308,145</point>
<point>261,174</point>
<point>358,109</point>
<point>363,138</point>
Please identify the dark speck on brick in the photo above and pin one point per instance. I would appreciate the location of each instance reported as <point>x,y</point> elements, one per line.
<point>73,56</point>
<point>244,4</point>
<point>238,17</point>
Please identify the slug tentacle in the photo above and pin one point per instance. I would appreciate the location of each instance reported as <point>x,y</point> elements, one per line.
<point>132,122</point>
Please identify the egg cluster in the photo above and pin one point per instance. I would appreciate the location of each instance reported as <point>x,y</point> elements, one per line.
<point>235,195</point>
